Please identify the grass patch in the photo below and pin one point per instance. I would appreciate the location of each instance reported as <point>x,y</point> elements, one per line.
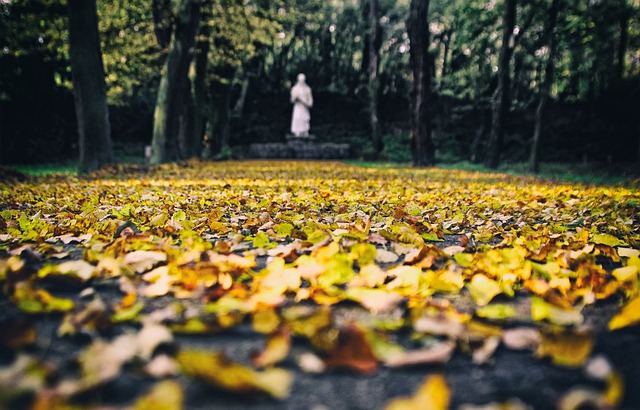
<point>47,169</point>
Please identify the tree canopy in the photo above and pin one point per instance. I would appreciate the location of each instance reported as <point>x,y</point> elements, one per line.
<point>257,47</point>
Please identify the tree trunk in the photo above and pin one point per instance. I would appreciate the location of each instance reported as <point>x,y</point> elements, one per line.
<point>172,84</point>
<point>474,155</point>
<point>218,125</point>
<point>545,88</point>
<point>198,87</point>
<point>162,22</point>
<point>373,82</point>
<point>622,45</point>
<point>421,145</point>
<point>503,92</point>
<point>92,112</point>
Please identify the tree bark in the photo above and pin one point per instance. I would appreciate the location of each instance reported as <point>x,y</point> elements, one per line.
<point>373,82</point>
<point>92,112</point>
<point>422,148</point>
<point>162,22</point>
<point>545,88</point>
<point>622,45</point>
<point>198,88</point>
<point>503,92</point>
<point>170,101</point>
<point>218,124</point>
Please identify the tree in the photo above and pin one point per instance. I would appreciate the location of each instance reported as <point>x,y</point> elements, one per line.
<point>545,88</point>
<point>421,145</point>
<point>198,88</point>
<point>372,49</point>
<point>502,96</point>
<point>170,101</point>
<point>92,112</point>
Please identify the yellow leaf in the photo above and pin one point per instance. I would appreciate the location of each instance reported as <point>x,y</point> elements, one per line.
<point>568,348</point>
<point>433,394</point>
<point>276,349</point>
<point>483,289</point>
<point>165,395</point>
<point>541,310</point>
<point>215,368</point>
<point>626,273</point>
<point>606,239</point>
<point>628,316</point>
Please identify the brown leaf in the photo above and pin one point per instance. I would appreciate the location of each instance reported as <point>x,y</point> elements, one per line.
<point>352,352</point>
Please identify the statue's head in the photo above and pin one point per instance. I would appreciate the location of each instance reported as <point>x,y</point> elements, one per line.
<point>302,78</point>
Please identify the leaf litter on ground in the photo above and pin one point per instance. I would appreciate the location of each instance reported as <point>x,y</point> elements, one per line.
<point>201,248</point>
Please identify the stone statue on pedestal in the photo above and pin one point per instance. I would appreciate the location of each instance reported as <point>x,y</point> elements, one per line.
<point>302,101</point>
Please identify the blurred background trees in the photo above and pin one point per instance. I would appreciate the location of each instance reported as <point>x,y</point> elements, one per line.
<point>242,56</point>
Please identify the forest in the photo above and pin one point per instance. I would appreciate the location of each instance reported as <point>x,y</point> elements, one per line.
<point>158,260</point>
<point>403,81</point>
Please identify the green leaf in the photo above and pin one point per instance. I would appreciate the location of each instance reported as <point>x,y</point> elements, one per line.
<point>606,239</point>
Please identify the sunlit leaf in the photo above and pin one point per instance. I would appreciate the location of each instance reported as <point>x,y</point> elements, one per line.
<point>276,350</point>
<point>606,239</point>
<point>566,348</point>
<point>541,310</point>
<point>483,289</point>
<point>216,369</point>
<point>433,394</point>
<point>628,316</point>
<point>165,395</point>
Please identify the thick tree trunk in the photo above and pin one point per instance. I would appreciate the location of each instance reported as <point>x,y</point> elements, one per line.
<point>174,79</point>
<point>89,87</point>
<point>421,145</point>
<point>503,92</point>
<point>373,82</point>
<point>545,88</point>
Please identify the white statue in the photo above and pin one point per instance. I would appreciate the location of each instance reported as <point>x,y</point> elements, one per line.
<point>302,100</point>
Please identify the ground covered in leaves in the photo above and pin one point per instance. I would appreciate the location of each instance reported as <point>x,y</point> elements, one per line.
<point>319,286</point>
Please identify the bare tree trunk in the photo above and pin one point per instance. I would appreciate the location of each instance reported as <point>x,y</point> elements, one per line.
<point>174,79</point>
<point>198,88</point>
<point>162,22</point>
<point>87,69</point>
<point>545,88</point>
<point>218,124</point>
<point>622,45</point>
<point>474,155</point>
<point>421,145</point>
<point>503,92</point>
<point>373,82</point>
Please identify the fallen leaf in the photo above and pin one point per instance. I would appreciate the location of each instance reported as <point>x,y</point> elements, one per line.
<point>438,354</point>
<point>215,368</point>
<point>276,350</point>
<point>483,289</point>
<point>142,261</point>
<point>628,316</point>
<point>569,348</point>
<point>352,352</point>
<point>541,310</point>
<point>165,395</point>
<point>521,338</point>
<point>433,394</point>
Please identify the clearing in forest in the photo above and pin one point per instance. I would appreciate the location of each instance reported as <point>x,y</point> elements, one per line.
<point>316,285</point>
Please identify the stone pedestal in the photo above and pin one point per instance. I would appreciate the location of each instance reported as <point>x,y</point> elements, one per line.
<point>299,148</point>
